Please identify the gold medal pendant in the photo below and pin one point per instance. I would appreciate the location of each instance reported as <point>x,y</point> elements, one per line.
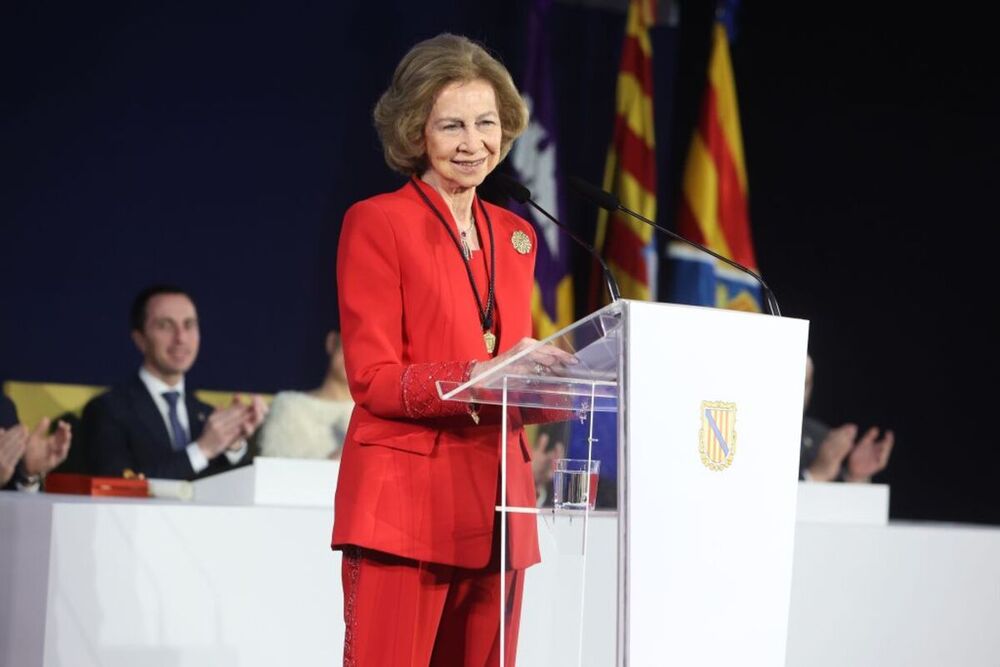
<point>490,340</point>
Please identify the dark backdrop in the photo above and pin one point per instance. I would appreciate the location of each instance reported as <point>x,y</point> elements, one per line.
<point>217,146</point>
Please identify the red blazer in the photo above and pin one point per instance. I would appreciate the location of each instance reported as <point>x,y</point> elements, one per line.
<point>418,478</point>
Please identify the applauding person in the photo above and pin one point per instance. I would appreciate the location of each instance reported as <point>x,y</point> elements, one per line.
<point>152,423</point>
<point>25,457</point>
<point>838,454</point>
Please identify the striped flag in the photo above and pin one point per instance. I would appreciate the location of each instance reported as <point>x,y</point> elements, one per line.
<point>714,206</point>
<point>535,164</point>
<point>628,245</point>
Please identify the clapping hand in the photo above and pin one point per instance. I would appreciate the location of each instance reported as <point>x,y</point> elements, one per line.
<point>44,450</point>
<point>864,457</point>
<point>257,411</point>
<point>228,428</point>
<point>870,455</point>
<point>13,442</point>
<point>836,446</point>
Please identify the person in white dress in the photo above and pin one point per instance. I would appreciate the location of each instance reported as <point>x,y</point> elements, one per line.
<point>312,424</point>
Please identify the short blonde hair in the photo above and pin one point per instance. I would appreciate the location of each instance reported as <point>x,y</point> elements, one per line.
<point>402,111</point>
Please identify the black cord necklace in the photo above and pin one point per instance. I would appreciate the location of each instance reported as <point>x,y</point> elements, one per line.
<point>485,313</point>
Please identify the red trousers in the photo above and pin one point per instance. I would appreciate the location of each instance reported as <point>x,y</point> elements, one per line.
<point>404,613</point>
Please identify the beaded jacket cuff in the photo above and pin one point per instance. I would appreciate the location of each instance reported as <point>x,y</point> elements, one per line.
<point>419,393</point>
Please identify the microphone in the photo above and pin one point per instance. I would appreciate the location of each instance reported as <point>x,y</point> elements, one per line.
<point>522,195</point>
<point>609,202</point>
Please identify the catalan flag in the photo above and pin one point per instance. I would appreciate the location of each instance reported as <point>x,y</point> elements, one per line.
<point>628,245</point>
<point>714,207</point>
<point>535,164</point>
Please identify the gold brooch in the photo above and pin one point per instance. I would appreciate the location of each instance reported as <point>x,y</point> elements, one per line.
<point>521,242</point>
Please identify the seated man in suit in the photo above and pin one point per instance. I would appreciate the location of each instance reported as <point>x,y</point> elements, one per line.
<point>152,424</point>
<point>25,457</point>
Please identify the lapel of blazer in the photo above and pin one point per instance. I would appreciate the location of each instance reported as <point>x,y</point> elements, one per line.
<point>148,415</point>
<point>198,414</point>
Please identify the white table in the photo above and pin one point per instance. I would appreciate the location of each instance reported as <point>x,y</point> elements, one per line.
<point>97,582</point>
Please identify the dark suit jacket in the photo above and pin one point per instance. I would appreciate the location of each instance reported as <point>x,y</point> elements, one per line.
<point>123,429</point>
<point>814,432</point>
<point>8,413</point>
<point>8,418</point>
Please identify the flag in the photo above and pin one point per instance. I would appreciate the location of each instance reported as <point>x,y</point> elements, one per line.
<point>535,163</point>
<point>628,245</point>
<point>714,206</point>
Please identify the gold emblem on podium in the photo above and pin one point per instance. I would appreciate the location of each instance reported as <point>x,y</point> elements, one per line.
<point>717,436</point>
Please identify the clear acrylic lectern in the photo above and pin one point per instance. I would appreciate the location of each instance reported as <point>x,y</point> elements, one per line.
<point>560,391</point>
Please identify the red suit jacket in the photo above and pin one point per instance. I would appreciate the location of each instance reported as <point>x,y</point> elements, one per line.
<point>418,478</point>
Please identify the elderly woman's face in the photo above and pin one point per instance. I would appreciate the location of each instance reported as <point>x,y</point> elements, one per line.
<point>463,134</point>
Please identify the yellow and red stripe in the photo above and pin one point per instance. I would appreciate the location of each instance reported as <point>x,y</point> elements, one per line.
<point>715,204</point>
<point>630,169</point>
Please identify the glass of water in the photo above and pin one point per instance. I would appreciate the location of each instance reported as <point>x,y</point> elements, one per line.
<point>575,483</point>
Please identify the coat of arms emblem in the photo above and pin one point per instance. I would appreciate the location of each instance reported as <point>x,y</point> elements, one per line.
<point>717,436</point>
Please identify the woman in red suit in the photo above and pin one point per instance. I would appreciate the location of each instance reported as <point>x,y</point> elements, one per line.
<point>434,284</point>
